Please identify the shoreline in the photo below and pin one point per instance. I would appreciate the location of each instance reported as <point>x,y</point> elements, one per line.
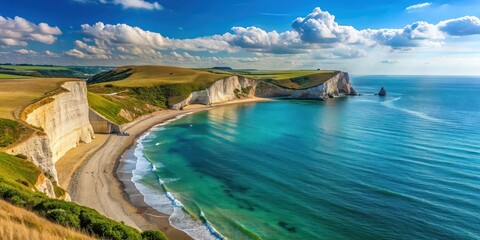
<point>94,181</point>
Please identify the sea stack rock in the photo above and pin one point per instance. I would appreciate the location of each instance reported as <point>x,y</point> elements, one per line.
<point>382,92</point>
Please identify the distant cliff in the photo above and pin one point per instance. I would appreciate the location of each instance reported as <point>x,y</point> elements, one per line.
<point>62,121</point>
<point>235,87</point>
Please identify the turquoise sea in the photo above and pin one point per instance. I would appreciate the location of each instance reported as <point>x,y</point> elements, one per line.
<point>405,166</point>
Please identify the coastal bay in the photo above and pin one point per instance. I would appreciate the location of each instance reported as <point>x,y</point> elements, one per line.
<point>94,183</point>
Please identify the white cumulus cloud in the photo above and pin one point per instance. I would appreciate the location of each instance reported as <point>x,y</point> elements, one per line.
<point>320,27</point>
<point>412,35</point>
<point>25,52</point>
<point>50,54</point>
<point>468,25</point>
<point>18,31</point>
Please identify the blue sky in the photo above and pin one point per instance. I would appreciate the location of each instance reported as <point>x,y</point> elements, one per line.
<point>361,36</point>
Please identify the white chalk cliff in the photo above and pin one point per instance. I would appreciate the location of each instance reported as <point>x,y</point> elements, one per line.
<point>228,89</point>
<point>64,122</point>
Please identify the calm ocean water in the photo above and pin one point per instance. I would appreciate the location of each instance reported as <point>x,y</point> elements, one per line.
<point>405,166</point>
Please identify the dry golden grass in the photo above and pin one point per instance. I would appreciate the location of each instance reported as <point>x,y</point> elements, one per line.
<point>17,223</point>
<point>15,93</point>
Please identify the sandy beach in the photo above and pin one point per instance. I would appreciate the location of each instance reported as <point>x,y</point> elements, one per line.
<point>88,172</point>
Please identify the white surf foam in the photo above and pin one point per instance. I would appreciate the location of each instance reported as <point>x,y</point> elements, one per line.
<point>164,201</point>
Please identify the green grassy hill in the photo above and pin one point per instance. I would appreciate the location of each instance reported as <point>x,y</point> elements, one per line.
<point>28,71</point>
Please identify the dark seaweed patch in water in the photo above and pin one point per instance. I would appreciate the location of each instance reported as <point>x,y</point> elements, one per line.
<point>229,193</point>
<point>287,226</point>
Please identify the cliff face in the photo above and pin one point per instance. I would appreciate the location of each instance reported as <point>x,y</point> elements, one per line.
<point>231,88</point>
<point>64,120</point>
<point>37,149</point>
<point>65,123</point>
<point>44,185</point>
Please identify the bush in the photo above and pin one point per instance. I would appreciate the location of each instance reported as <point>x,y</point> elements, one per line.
<point>153,235</point>
<point>61,217</point>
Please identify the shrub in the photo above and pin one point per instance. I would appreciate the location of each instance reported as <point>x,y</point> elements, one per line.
<point>153,235</point>
<point>61,217</point>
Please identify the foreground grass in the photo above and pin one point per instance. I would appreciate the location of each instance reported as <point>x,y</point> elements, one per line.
<point>17,223</point>
<point>16,178</point>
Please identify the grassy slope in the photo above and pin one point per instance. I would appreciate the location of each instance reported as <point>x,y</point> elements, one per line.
<point>12,131</point>
<point>149,76</point>
<point>105,107</point>
<point>17,177</point>
<point>18,223</point>
<point>13,169</point>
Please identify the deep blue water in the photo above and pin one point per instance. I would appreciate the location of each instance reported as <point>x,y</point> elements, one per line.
<point>405,166</point>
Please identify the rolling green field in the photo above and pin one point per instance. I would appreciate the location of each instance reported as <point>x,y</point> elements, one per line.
<point>11,76</point>
<point>34,68</point>
<point>46,71</point>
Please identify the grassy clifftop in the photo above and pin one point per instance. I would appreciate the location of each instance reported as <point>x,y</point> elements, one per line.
<point>295,79</point>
